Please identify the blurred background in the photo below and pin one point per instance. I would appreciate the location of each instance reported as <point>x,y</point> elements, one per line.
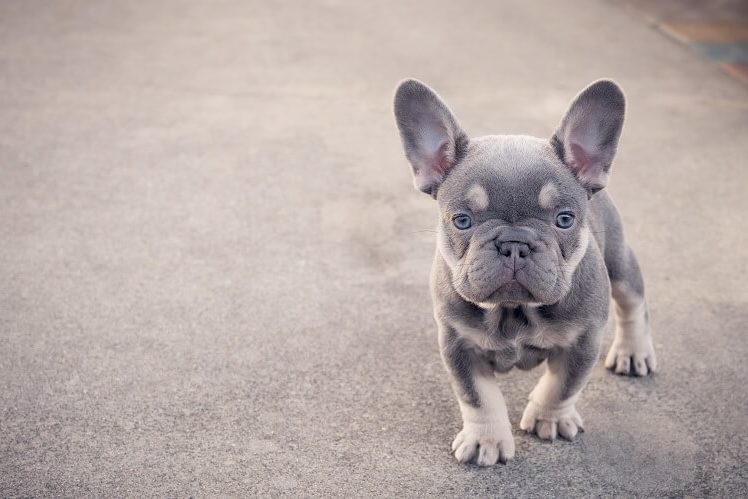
<point>214,267</point>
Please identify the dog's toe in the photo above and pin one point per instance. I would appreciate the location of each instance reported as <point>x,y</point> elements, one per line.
<point>549,423</point>
<point>546,430</point>
<point>567,429</point>
<point>634,357</point>
<point>485,445</point>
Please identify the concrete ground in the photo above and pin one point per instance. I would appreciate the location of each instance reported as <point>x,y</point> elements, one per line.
<point>213,266</point>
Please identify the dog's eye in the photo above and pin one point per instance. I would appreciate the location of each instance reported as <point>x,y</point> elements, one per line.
<point>564,220</point>
<point>462,221</point>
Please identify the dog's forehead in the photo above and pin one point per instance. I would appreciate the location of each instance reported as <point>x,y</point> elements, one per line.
<point>515,171</point>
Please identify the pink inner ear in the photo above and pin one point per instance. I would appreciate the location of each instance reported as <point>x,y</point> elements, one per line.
<point>579,159</point>
<point>442,162</point>
<point>584,165</point>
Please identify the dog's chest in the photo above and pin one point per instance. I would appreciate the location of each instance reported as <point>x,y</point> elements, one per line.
<point>515,337</point>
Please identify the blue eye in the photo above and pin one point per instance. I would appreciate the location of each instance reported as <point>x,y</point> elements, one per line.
<point>462,222</point>
<point>564,220</point>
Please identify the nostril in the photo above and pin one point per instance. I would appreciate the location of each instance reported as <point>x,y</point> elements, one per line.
<point>513,248</point>
<point>504,248</point>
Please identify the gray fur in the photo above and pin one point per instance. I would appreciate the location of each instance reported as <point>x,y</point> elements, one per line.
<point>587,138</point>
<point>513,289</point>
<point>432,138</point>
<point>459,361</point>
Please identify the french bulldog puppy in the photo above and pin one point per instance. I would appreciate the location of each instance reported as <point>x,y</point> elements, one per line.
<point>529,249</point>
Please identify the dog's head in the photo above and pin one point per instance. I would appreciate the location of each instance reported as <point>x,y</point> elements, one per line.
<point>513,209</point>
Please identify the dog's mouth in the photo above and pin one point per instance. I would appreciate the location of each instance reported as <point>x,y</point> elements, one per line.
<point>511,292</point>
<point>485,279</point>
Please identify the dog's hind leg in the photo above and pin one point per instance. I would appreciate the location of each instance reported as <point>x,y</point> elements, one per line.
<point>632,351</point>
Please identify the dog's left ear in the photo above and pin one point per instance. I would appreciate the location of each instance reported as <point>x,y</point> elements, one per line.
<point>587,138</point>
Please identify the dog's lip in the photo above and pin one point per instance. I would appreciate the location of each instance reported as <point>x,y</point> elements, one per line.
<point>494,299</point>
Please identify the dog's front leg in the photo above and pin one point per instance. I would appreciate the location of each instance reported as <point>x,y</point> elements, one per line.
<point>486,435</point>
<point>550,410</point>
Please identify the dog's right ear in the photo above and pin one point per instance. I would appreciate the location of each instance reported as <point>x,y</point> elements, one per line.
<point>432,138</point>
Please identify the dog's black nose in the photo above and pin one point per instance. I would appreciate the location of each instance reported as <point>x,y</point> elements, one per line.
<point>514,249</point>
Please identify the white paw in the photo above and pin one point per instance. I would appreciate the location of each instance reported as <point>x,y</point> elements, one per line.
<point>485,444</point>
<point>548,423</point>
<point>632,354</point>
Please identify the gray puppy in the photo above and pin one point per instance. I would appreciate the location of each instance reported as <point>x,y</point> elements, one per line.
<point>529,249</point>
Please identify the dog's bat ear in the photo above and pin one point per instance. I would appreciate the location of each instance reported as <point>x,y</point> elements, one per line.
<point>432,138</point>
<point>587,138</point>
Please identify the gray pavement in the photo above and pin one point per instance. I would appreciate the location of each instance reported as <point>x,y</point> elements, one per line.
<point>213,266</point>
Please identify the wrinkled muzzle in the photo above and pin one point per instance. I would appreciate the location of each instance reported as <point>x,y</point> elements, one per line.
<point>511,264</point>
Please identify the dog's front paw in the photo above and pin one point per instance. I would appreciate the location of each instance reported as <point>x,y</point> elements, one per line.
<point>484,443</point>
<point>547,423</point>
<point>633,355</point>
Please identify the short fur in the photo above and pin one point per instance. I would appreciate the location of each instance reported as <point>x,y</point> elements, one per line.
<point>510,286</point>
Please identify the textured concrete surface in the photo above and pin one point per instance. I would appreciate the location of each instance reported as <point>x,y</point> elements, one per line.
<point>213,266</point>
<point>716,29</point>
